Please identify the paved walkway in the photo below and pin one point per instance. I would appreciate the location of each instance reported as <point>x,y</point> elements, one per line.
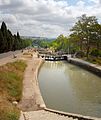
<point>31,97</point>
<point>9,58</point>
<point>10,53</point>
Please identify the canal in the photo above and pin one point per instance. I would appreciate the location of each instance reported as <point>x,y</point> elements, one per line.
<point>69,88</point>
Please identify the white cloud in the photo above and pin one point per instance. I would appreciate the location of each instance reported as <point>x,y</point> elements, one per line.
<point>8,18</point>
<point>95,1</point>
<point>4,2</point>
<point>44,17</point>
<point>80,3</point>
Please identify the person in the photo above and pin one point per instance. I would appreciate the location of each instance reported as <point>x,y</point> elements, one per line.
<point>22,50</point>
<point>38,55</point>
<point>14,56</point>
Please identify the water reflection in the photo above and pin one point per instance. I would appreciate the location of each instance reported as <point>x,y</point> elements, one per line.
<point>86,85</point>
<point>69,88</point>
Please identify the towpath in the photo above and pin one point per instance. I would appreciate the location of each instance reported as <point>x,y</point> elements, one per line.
<point>31,97</point>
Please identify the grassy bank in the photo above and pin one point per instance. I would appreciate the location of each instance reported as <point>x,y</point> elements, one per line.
<point>94,60</point>
<point>11,76</point>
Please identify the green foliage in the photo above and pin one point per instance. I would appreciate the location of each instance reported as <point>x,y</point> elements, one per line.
<point>95,52</point>
<point>60,44</point>
<point>13,84</point>
<point>86,34</point>
<point>9,42</point>
<point>98,61</point>
<point>9,115</point>
<point>2,42</point>
<point>12,116</point>
<point>41,43</point>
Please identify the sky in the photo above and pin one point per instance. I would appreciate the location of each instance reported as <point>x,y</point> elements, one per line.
<point>46,18</point>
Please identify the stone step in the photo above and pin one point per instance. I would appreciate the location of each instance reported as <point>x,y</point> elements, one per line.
<point>44,115</point>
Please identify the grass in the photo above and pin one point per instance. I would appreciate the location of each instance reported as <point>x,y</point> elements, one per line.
<point>11,77</point>
<point>95,60</point>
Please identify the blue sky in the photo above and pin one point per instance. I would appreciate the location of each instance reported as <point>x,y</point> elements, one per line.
<point>72,2</point>
<point>47,18</point>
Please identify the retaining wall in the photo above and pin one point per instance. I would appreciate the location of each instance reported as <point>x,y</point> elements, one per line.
<point>96,69</point>
<point>39,98</point>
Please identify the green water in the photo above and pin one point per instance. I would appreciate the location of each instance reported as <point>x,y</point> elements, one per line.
<point>69,88</point>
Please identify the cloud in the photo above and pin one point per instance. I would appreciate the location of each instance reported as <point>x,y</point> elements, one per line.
<point>8,18</point>
<point>45,17</point>
<point>96,1</point>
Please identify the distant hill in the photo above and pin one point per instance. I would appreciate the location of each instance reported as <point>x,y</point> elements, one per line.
<point>38,38</point>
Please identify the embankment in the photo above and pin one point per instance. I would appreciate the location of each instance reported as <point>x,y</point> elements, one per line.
<point>96,69</point>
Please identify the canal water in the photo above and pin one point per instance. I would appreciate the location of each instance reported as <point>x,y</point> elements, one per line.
<point>69,88</point>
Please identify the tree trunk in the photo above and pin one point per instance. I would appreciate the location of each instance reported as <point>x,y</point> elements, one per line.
<point>88,49</point>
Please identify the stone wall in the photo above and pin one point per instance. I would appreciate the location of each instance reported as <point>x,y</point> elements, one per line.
<point>96,69</point>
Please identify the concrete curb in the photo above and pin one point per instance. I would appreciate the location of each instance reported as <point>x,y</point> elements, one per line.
<point>40,101</point>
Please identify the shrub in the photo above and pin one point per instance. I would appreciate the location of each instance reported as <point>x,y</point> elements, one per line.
<point>79,54</point>
<point>95,52</point>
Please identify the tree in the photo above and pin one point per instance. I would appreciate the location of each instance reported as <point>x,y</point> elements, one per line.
<point>10,42</point>
<point>84,31</point>
<point>4,29</point>
<point>74,43</point>
<point>60,44</point>
<point>4,33</point>
<point>97,36</point>
<point>2,47</point>
<point>18,36</point>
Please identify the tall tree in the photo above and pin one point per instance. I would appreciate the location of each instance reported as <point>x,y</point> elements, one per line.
<point>2,42</point>
<point>84,29</point>
<point>9,40</point>
<point>18,36</point>
<point>4,32</point>
<point>4,28</point>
